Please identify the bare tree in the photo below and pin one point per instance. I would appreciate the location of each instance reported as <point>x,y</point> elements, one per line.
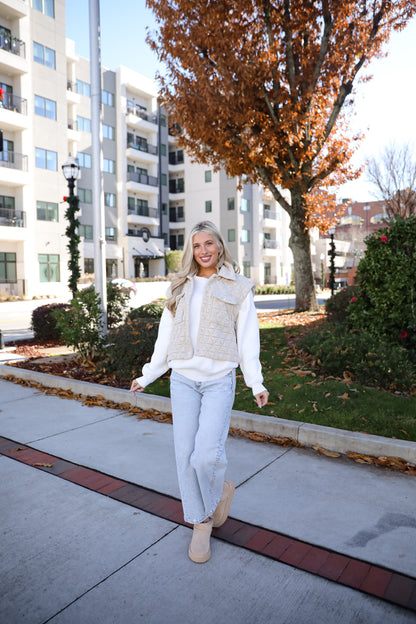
<point>393,174</point>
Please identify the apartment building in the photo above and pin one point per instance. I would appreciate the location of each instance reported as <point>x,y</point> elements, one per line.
<point>152,192</point>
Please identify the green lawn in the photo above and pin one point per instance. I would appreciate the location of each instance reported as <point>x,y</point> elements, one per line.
<point>296,393</point>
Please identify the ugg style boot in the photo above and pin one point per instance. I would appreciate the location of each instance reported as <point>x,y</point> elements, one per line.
<point>199,548</point>
<point>223,507</point>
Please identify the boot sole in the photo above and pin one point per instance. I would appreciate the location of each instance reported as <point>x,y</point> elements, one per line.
<point>199,558</point>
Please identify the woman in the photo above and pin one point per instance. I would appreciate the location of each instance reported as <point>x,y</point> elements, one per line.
<point>208,327</point>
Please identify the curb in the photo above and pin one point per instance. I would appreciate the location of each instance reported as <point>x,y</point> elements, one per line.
<point>306,434</point>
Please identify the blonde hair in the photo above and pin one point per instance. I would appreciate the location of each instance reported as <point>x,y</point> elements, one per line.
<point>190,267</point>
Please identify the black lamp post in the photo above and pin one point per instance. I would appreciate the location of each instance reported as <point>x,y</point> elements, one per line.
<point>332,254</point>
<point>71,171</point>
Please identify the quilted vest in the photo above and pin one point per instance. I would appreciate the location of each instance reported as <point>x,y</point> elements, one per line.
<point>217,335</point>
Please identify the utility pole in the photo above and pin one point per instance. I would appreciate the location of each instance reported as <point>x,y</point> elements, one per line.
<point>96,156</point>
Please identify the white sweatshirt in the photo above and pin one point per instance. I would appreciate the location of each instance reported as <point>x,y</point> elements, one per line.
<point>205,369</point>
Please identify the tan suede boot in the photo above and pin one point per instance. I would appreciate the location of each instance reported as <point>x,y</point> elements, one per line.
<point>223,507</point>
<point>199,548</point>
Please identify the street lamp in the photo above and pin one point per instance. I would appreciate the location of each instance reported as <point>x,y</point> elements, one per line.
<point>332,255</point>
<point>71,172</point>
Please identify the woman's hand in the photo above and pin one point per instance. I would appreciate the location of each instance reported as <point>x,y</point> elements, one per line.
<point>261,398</point>
<point>135,387</point>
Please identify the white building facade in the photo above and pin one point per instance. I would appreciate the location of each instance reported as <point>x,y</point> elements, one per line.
<point>152,192</point>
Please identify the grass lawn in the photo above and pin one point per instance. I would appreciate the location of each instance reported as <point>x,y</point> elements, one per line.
<point>297,393</point>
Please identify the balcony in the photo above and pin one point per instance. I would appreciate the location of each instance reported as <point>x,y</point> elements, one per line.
<point>144,211</point>
<point>14,8</point>
<point>13,160</point>
<point>142,151</point>
<point>12,44</point>
<point>12,218</point>
<point>176,158</point>
<point>141,114</point>
<point>13,113</point>
<point>13,169</point>
<point>141,178</point>
<point>12,54</point>
<point>72,94</point>
<point>14,103</point>
<point>177,186</point>
<point>269,214</point>
<point>270,247</point>
<point>143,147</point>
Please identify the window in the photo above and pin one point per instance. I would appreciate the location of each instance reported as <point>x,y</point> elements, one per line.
<point>164,179</point>
<point>46,159</point>
<point>246,269</point>
<point>208,175</point>
<point>109,166</point>
<point>85,196</point>
<point>6,203</point>
<point>83,124</point>
<point>49,268</point>
<point>43,55</point>
<point>110,199</point>
<point>45,107</point>
<point>83,88</point>
<point>45,6</point>
<point>163,149</point>
<point>245,236</point>
<point>230,203</point>
<point>47,211</point>
<point>109,132</point>
<point>245,205</point>
<point>162,120</point>
<point>208,206</point>
<point>86,231</point>
<point>110,234</point>
<point>267,270</point>
<point>107,98</point>
<point>164,208</point>
<point>88,265</point>
<point>231,236</point>
<point>8,272</point>
<point>84,160</point>
<point>111,267</point>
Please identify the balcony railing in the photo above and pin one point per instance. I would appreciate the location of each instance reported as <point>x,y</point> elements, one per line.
<point>141,178</point>
<point>12,218</point>
<point>175,218</point>
<point>149,149</point>
<point>14,103</point>
<point>176,158</point>
<point>270,244</point>
<point>12,44</point>
<point>72,124</point>
<point>13,160</point>
<point>269,214</point>
<point>176,186</point>
<point>144,211</point>
<point>132,110</point>
<point>270,279</point>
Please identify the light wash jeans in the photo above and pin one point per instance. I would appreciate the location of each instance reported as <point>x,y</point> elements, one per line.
<point>201,413</point>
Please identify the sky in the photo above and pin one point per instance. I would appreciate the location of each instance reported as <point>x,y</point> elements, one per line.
<point>385,106</point>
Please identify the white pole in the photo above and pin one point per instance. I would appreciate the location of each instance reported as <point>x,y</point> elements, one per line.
<point>96,149</point>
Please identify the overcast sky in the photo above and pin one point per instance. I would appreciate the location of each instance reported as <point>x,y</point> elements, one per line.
<point>385,107</point>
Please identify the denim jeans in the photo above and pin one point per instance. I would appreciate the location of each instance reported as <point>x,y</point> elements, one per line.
<point>201,413</point>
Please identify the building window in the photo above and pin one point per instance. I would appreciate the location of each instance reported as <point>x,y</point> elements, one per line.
<point>47,211</point>
<point>44,55</point>
<point>46,159</point>
<point>109,132</point>
<point>111,268</point>
<point>83,88</point>
<point>246,269</point>
<point>267,270</point>
<point>208,206</point>
<point>231,236</point>
<point>163,149</point>
<point>84,160</point>
<point>83,124</point>
<point>8,273</point>
<point>6,203</point>
<point>107,98</point>
<point>89,265</point>
<point>86,231</point>
<point>245,205</point>
<point>164,179</point>
<point>164,208</point>
<point>45,107</point>
<point>110,234</point>
<point>162,120</point>
<point>245,236</point>
<point>230,203</point>
<point>45,6</point>
<point>49,268</point>
<point>208,175</point>
<point>85,195</point>
<point>109,166</point>
<point>110,200</point>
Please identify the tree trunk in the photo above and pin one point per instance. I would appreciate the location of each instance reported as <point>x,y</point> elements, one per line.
<point>300,245</point>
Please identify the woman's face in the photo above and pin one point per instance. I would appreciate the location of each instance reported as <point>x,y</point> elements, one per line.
<point>206,253</point>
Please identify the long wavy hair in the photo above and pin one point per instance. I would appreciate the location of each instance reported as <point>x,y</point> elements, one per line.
<point>190,267</point>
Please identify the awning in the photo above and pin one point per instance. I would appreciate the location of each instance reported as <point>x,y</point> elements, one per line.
<point>146,251</point>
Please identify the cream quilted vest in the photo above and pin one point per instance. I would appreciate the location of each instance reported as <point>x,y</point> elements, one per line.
<point>223,295</point>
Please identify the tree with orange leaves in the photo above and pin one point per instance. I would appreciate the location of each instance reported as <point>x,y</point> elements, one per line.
<point>258,87</point>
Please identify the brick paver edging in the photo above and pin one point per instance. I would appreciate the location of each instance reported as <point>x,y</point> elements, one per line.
<point>375,580</point>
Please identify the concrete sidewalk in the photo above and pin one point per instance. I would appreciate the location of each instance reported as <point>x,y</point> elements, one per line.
<point>92,530</point>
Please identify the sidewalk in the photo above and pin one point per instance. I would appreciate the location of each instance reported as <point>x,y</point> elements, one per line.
<point>92,530</point>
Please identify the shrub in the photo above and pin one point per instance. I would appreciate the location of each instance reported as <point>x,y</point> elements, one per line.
<point>149,310</point>
<point>117,304</point>
<point>387,302</point>
<point>130,347</point>
<point>370,360</point>
<point>273,289</point>
<point>173,260</point>
<point>44,323</point>
<point>337,306</point>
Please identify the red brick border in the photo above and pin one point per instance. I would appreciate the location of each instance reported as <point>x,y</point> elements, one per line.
<point>374,580</point>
